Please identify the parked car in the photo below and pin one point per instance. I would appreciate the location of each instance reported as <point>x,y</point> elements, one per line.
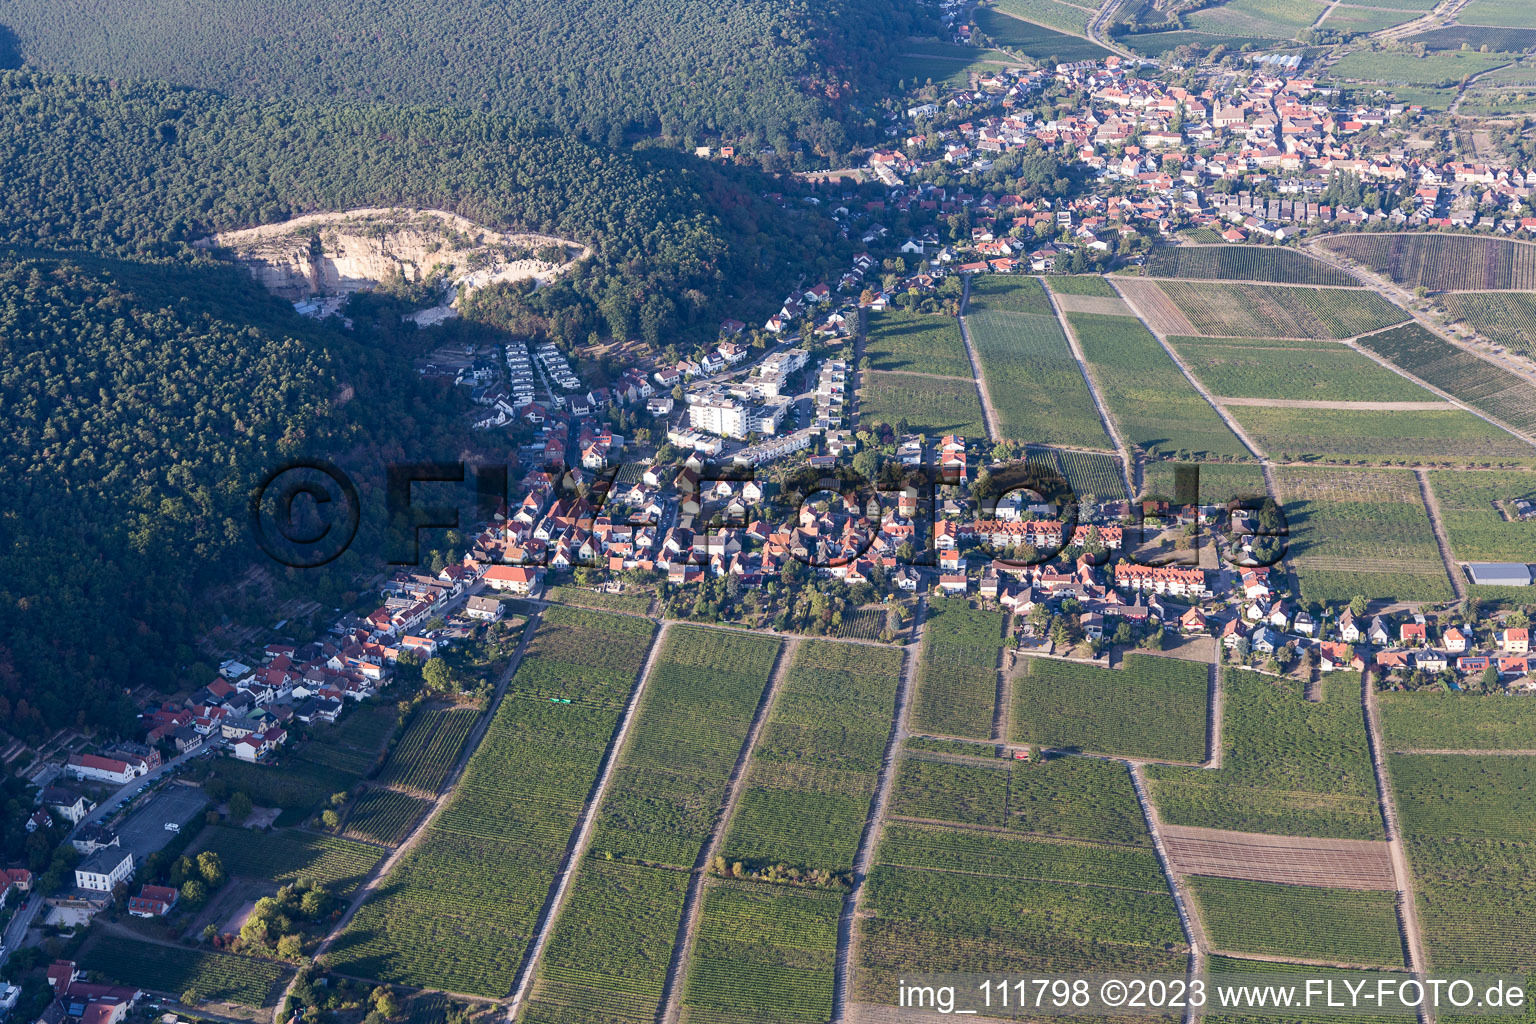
<point>171,826</point>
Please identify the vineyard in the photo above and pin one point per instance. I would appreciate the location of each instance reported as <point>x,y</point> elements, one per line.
<point>1156,406</point>
<point>1151,707</point>
<point>607,957</point>
<point>916,342</point>
<point>1434,434</point>
<point>957,674</point>
<point>807,792</point>
<point>1361,532</point>
<point>175,969</point>
<point>286,856</point>
<point>1472,848</point>
<point>1268,972</point>
<point>1456,721</point>
<point>296,786</point>
<point>1290,766</point>
<point>1088,473</point>
<point>1035,384</point>
<point>1340,925</point>
<point>1271,311</point>
<point>1477,382</point>
<point>762,953</point>
<point>1256,368</point>
<point>996,904</point>
<point>996,293</point>
<point>671,776</point>
<point>928,405</point>
<point>385,816</point>
<point>1081,284</point>
<point>1443,262</point>
<point>1070,797</point>
<point>1218,483</point>
<point>352,745</point>
<point>866,623</point>
<point>1071,18</point>
<point>456,912</point>
<point>636,602</point>
<point>428,749</point>
<point>1035,41</point>
<point>1478,513</point>
<point>1244,263</point>
<point>1504,318</point>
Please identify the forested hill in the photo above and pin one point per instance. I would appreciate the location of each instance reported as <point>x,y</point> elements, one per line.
<point>757,70</point>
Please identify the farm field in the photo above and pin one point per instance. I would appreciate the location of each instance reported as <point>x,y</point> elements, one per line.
<point>1512,13</point>
<point>608,953</point>
<point>297,787</point>
<point>1504,318</point>
<point>1155,44</point>
<point>635,602</point>
<point>813,772</point>
<point>1035,384</point>
<point>1035,41</point>
<point>1156,407</point>
<point>957,672</point>
<point>1151,707</point>
<point>1361,532</point>
<point>175,969</point>
<point>352,744</point>
<point>1290,766</point>
<point>1275,311</point>
<point>962,900</point>
<point>670,779</point>
<point>916,342</point>
<point>1477,382</point>
<point>1443,262</point>
<point>928,405</point>
<point>1080,284</point>
<point>1088,473</point>
<point>1472,850</point>
<point>1456,721</point>
<point>949,63</point>
<point>285,855</point>
<point>762,952</point>
<point>1244,263</point>
<point>456,912</point>
<point>1277,19</point>
<point>1340,925</point>
<point>1443,68</point>
<point>1430,435</point>
<point>1452,36</point>
<point>1478,513</point>
<point>1270,972</point>
<point>428,749</point>
<point>1004,293</point>
<point>1067,17</point>
<point>1219,483</point>
<point>1365,19</point>
<point>1064,797</point>
<point>385,816</point>
<point>1259,368</point>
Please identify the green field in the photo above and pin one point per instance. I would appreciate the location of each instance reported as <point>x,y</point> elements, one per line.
<point>1278,19</point>
<point>1035,41</point>
<point>1478,513</point>
<point>1151,707</point>
<point>1275,311</point>
<point>949,63</point>
<point>1504,318</point>
<point>352,744</point>
<point>385,816</point>
<point>962,900</point>
<point>929,405</point>
<point>1361,532</point>
<point>635,602</point>
<point>1067,17</point>
<point>1035,384</point>
<point>1007,294</point>
<point>1339,925</point>
<point>1218,483</point>
<point>173,970</point>
<point>1267,972</point>
<point>1261,368</point>
<point>1436,68</point>
<point>762,953</point>
<point>456,912</point>
<point>285,856</point>
<point>1451,37</point>
<point>1477,382</point>
<point>1364,19</point>
<point>916,342</point>
<point>813,772</point>
<point>296,786</point>
<point>1089,473</point>
<point>1244,263</point>
<point>1155,405</point>
<point>1290,766</point>
<point>957,674</point>
<point>1457,721</point>
<point>1443,262</point>
<point>1505,13</point>
<point>1081,284</point>
<point>1437,434</point>
<point>428,749</point>
<point>1065,797</point>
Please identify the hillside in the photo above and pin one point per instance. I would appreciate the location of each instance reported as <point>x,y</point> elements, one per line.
<point>746,69</point>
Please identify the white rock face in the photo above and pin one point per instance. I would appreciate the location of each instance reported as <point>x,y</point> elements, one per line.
<point>333,254</point>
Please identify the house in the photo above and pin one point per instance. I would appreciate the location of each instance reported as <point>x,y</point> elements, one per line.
<point>1413,634</point>
<point>514,579</point>
<point>1335,656</point>
<point>102,769</point>
<point>1380,632</point>
<point>105,870</point>
<point>1264,640</point>
<point>1515,641</point>
<point>486,609</point>
<point>1193,622</point>
<point>1457,639</point>
<point>1304,624</point>
<point>67,804</point>
<point>1431,661</point>
<point>1349,629</point>
<point>954,584</point>
<point>152,901</point>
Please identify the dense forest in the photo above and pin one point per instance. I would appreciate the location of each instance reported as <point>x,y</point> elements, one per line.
<point>756,71</point>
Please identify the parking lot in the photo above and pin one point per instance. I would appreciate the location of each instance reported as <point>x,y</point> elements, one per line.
<point>144,831</point>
